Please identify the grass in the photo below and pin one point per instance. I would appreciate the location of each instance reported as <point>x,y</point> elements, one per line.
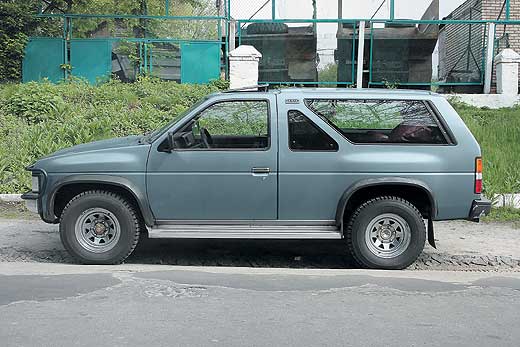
<point>498,132</point>
<point>504,214</point>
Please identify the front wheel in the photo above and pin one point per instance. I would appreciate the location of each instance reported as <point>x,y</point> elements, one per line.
<point>99,227</point>
<point>386,233</point>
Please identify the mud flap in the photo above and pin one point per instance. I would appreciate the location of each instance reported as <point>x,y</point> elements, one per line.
<point>431,236</point>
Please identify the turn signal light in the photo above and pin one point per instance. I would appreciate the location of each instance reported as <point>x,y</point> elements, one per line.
<point>478,176</point>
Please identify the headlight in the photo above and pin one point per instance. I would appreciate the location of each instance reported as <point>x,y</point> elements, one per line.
<point>35,184</point>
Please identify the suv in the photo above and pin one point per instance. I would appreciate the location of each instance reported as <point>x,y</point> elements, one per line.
<point>371,168</point>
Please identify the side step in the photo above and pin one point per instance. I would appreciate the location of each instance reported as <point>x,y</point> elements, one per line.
<point>191,231</point>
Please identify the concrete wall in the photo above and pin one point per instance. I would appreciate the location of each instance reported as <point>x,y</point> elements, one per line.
<point>493,101</point>
<point>453,39</point>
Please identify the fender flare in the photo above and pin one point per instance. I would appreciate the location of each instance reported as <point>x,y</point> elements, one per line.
<point>385,181</point>
<point>118,181</point>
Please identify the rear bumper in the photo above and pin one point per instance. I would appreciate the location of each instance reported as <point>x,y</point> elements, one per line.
<point>479,208</point>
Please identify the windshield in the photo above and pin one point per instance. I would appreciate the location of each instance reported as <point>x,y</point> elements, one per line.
<point>158,132</point>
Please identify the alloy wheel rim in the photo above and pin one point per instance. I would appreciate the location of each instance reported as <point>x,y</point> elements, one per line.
<point>387,235</point>
<point>97,230</point>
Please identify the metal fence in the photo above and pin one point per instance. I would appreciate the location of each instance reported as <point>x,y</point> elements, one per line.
<point>406,43</point>
<point>162,38</point>
<point>303,42</point>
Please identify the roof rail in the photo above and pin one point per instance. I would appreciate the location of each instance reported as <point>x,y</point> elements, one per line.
<point>259,88</point>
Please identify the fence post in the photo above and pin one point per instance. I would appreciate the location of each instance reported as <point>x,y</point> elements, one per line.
<point>490,48</point>
<point>340,12</point>
<point>360,54</point>
<point>243,67</point>
<point>232,35</point>
<point>507,72</point>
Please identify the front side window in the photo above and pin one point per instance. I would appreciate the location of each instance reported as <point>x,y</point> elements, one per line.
<point>227,125</point>
<point>380,121</point>
<point>304,135</point>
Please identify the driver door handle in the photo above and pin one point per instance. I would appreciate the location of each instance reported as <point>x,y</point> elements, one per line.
<point>260,171</point>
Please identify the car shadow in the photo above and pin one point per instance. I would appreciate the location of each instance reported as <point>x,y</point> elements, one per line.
<point>244,253</point>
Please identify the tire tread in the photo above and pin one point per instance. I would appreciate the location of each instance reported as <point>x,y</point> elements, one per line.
<point>131,208</point>
<point>359,209</point>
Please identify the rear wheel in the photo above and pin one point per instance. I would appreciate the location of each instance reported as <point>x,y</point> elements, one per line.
<point>386,233</point>
<point>99,227</point>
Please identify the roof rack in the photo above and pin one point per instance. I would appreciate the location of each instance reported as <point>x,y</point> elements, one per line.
<point>259,88</point>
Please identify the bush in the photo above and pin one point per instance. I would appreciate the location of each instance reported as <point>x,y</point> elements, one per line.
<point>18,24</point>
<point>37,119</point>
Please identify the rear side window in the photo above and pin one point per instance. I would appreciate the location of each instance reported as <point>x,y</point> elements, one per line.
<point>380,121</point>
<point>304,135</point>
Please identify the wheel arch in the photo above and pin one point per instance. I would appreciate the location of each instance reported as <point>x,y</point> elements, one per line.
<point>73,185</point>
<point>386,186</point>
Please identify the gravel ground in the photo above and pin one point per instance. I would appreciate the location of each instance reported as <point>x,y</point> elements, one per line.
<point>461,246</point>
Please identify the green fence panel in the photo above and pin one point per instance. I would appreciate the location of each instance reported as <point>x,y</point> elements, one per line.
<point>91,59</point>
<point>43,57</point>
<point>200,62</point>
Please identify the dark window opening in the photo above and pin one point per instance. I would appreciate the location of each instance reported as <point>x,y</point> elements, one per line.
<point>304,135</point>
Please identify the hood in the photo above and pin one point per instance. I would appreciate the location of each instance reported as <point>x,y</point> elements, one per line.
<point>126,154</point>
<point>117,142</point>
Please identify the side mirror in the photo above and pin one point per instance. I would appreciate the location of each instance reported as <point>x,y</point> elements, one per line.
<point>168,145</point>
<point>171,142</point>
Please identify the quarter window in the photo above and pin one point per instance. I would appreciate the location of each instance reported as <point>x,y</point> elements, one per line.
<point>227,125</point>
<point>304,135</point>
<point>380,121</point>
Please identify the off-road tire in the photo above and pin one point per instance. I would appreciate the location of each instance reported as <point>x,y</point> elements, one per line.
<point>361,218</point>
<point>123,210</point>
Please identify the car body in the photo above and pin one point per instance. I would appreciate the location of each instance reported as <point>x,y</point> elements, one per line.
<point>283,164</point>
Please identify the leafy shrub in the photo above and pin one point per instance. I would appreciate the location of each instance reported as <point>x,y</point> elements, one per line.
<point>18,24</point>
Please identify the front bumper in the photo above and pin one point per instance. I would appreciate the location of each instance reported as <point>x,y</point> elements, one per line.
<point>31,201</point>
<point>479,208</point>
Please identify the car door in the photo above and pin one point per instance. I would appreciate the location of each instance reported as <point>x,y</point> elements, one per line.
<point>312,173</point>
<point>223,166</point>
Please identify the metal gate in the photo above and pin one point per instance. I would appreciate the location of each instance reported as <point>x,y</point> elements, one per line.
<point>91,59</point>
<point>44,58</point>
<point>200,62</point>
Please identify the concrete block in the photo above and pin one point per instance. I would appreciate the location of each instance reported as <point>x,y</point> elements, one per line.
<point>243,67</point>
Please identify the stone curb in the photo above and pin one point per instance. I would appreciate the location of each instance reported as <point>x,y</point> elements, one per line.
<point>11,197</point>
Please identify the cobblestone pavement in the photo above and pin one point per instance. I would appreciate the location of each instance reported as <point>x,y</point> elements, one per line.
<point>462,246</point>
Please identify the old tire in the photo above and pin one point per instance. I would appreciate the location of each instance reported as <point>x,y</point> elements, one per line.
<point>386,233</point>
<point>99,227</point>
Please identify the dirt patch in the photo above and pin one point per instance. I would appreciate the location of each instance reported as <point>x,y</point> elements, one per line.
<point>16,210</point>
<point>461,246</point>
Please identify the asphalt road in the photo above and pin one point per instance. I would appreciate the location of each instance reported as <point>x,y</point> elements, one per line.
<point>235,293</point>
<point>154,305</point>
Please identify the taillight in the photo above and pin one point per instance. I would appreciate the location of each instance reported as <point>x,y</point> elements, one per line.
<point>478,176</point>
